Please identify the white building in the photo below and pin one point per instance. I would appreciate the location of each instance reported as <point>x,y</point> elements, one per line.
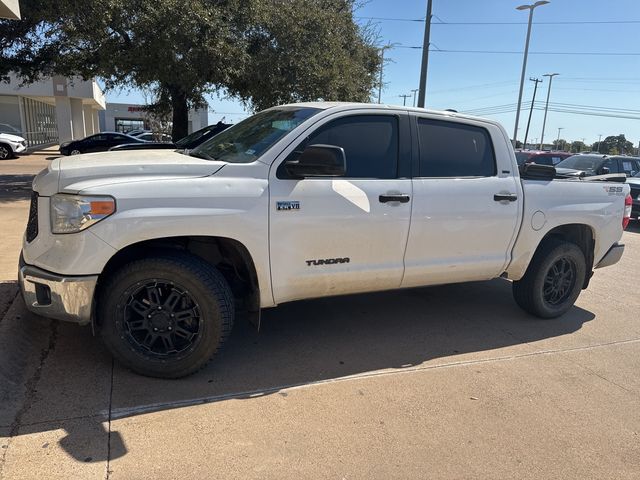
<point>123,117</point>
<point>51,111</point>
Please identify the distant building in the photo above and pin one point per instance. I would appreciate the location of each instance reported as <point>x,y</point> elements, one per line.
<point>123,117</point>
<point>10,9</point>
<point>52,110</point>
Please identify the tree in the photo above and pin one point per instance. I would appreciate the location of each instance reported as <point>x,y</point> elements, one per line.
<point>559,144</point>
<point>578,146</point>
<point>263,52</point>
<point>616,144</point>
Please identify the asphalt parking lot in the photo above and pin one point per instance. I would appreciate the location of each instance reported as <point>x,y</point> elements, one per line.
<point>444,382</point>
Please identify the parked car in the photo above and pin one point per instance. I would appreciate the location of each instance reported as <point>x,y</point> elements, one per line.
<point>144,146</point>
<point>10,145</point>
<point>540,157</point>
<point>187,143</point>
<point>200,136</point>
<point>634,184</point>
<point>10,129</point>
<point>100,142</point>
<point>158,249</point>
<point>154,137</point>
<point>137,131</point>
<point>588,165</point>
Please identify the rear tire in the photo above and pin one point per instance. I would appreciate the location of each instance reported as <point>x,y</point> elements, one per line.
<point>165,316</point>
<point>553,280</point>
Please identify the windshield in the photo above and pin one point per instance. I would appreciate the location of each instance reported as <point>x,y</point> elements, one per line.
<point>581,162</point>
<point>249,139</point>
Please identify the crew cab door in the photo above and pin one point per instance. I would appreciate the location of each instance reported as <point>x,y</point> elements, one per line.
<point>467,203</point>
<point>339,235</point>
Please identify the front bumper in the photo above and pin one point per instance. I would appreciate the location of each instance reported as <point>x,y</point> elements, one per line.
<point>68,298</point>
<point>19,148</point>
<point>613,256</point>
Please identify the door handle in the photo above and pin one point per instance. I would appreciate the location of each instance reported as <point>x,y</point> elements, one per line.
<point>402,198</point>
<point>509,197</point>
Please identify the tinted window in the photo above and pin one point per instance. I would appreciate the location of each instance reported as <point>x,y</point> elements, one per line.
<point>630,167</point>
<point>370,143</point>
<point>449,149</point>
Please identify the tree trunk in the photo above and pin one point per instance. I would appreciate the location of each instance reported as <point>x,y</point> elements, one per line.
<point>180,127</point>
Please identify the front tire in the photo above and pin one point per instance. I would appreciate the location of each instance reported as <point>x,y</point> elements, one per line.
<point>5,152</point>
<point>553,280</point>
<point>165,316</point>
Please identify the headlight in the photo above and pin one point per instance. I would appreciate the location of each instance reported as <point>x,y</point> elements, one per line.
<point>73,213</point>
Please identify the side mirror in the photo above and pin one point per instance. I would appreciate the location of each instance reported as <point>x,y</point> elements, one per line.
<point>318,161</point>
<point>604,170</point>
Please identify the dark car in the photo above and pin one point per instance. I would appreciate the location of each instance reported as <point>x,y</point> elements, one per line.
<point>200,136</point>
<point>144,146</point>
<point>634,183</point>
<point>185,143</point>
<point>540,157</point>
<point>100,142</point>
<point>590,165</point>
<point>154,137</point>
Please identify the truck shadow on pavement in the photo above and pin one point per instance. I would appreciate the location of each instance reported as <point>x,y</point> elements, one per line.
<point>78,388</point>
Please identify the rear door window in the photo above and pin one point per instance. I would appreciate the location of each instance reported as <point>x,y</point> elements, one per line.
<point>451,149</point>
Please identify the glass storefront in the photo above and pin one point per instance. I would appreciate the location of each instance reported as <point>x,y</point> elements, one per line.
<point>10,115</point>
<point>40,122</point>
<point>125,125</point>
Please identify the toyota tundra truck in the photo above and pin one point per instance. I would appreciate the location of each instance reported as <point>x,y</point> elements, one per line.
<point>160,250</point>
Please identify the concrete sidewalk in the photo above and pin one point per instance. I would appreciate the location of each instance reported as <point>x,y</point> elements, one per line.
<point>444,382</point>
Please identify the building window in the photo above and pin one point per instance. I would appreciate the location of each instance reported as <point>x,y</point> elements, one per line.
<point>125,125</point>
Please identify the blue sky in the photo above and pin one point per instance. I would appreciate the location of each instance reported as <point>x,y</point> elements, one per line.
<point>474,81</point>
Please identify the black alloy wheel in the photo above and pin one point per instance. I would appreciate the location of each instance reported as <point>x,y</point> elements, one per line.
<point>559,281</point>
<point>161,319</point>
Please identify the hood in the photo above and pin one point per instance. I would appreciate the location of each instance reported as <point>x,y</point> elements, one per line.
<point>82,172</point>
<point>12,138</point>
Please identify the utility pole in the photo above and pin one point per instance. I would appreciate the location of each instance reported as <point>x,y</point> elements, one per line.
<point>425,57</point>
<point>414,95</point>
<point>546,107</point>
<point>380,79</point>
<point>599,138</point>
<point>526,134</point>
<point>404,99</point>
<point>558,140</point>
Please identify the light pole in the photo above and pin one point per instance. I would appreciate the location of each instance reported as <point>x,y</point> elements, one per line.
<point>546,107</point>
<point>558,140</point>
<point>425,57</point>
<point>599,138</point>
<point>524,62</point>
<point>414,95</point>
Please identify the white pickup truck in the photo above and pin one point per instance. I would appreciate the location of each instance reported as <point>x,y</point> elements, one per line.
<point>159,249</point>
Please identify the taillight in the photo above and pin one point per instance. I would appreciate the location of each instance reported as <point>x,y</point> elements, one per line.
<point>627,211</point>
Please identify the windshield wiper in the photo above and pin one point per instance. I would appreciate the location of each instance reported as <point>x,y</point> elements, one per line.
<point>199,154</point>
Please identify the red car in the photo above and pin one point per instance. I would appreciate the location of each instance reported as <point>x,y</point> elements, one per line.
<point>540,157</point>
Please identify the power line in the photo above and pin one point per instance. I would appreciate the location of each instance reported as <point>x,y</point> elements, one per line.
<point>514,52</point>
<point>577,22</point>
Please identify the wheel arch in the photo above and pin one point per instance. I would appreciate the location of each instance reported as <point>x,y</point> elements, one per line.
<point>579,234</point>
<point>231,257</point>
